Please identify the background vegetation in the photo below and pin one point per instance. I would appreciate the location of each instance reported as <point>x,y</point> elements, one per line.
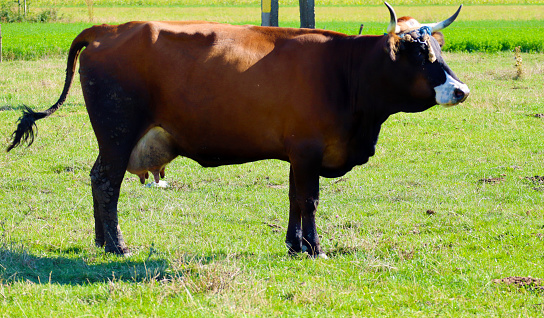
<point>452,202</point>
<point>258,2</point>
<point>504,28</point>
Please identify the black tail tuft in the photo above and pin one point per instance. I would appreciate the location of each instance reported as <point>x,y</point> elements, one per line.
<point>25,129</point>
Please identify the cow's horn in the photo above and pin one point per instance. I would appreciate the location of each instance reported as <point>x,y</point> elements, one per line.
<point>444,24</point>
<point>392,28</point>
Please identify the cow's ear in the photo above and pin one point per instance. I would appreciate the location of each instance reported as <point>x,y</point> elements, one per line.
<point>392,46</point>
<point>439,37</point>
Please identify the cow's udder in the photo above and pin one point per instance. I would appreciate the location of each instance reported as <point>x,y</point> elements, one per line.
<point>152,153</point>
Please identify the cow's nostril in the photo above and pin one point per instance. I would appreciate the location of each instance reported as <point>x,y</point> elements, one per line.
<point>458,94</point>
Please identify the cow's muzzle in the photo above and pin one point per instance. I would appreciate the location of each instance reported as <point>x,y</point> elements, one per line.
<point>452,92</point>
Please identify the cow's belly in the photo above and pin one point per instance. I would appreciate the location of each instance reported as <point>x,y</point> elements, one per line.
<point>152,153</point>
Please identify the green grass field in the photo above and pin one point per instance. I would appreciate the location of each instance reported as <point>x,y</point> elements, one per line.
<point>208,3</point>
<point>452,201</point>
<point>212,244</point>
<point>28,41</point>
<point>504,28</point>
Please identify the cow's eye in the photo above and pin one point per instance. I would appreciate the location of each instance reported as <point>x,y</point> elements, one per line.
<point>419,55</point>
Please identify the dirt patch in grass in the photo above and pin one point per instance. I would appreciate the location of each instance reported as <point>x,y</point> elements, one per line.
<point>492,180</point>
<point>525,282</point>
<point>538,181</point>
<point>430,212</point>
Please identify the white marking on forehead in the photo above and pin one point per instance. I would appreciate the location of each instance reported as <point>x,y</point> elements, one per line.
<point>445,93</point>
<point>405,25</point>
<point>412,23</point>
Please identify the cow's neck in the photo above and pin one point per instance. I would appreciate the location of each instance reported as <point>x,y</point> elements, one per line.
<point>368,112</point>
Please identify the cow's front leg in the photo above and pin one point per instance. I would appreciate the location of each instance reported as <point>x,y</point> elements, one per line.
<point>106,181</point>
<point>304,197</point>
<point>293,238</point>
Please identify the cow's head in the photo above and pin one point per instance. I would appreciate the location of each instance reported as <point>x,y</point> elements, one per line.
<point>415,50</point>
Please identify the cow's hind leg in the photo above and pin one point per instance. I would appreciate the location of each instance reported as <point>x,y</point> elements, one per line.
<point>118,118</point>
<point>106,178</point>
<point>99,238</point>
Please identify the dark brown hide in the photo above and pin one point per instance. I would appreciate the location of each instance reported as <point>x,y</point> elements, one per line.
<point>223,94</point>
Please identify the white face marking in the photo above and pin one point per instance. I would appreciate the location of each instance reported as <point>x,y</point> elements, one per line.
<point>412,23</point>
<point>407,25</point>
<point>445,93</point>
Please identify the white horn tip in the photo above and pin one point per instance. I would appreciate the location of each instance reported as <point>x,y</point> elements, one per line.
<point>392,27</point>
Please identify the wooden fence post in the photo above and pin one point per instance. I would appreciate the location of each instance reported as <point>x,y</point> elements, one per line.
<point>307,13</point>
<point>0,43</point>
<point>274,13</point>
<point>269,12</point>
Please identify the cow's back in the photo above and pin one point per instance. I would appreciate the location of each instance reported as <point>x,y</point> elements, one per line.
<point>224,92</point>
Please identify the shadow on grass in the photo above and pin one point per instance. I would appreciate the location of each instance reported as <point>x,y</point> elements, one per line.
<point>11,107</point>
<point>75,267</point>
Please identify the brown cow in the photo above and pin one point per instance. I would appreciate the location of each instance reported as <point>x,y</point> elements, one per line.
<point>223,94</point>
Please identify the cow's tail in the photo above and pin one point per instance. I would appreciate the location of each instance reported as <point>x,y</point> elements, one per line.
<point>27,122</point>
